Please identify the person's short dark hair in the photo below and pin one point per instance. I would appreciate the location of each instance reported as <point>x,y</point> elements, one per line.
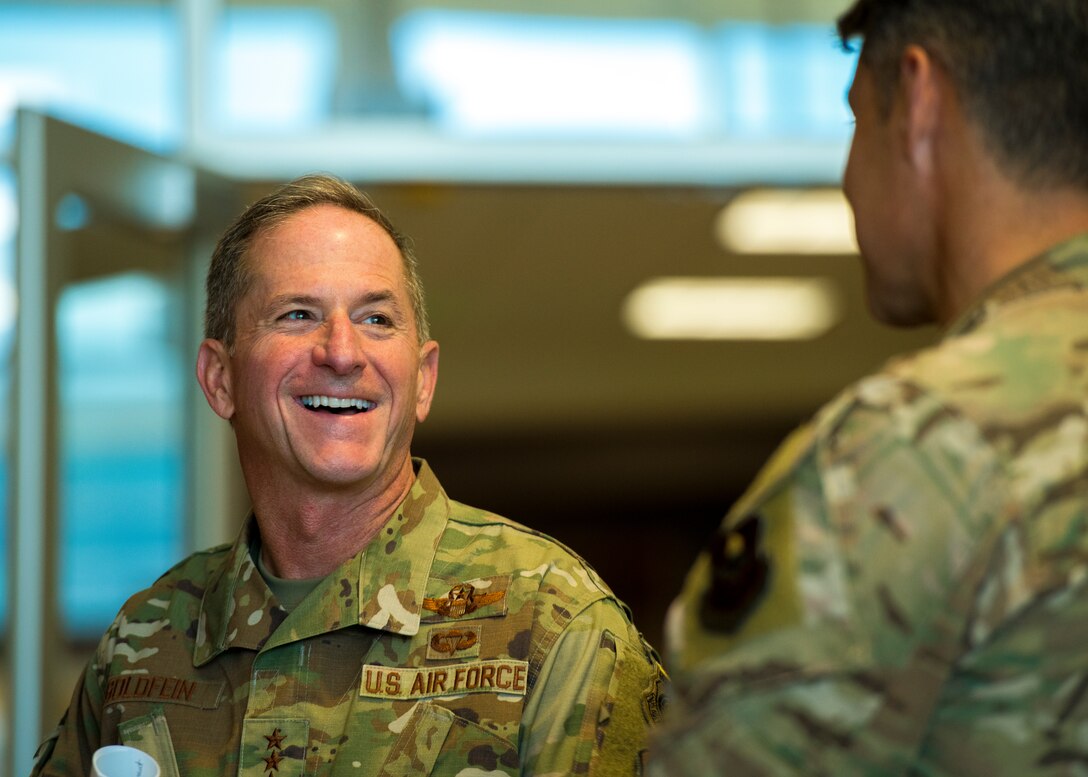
<point>230,276</point>
<point>1020,68</point>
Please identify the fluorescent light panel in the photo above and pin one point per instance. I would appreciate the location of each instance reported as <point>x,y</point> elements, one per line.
<point>781,221</point>
<point>676,308</point>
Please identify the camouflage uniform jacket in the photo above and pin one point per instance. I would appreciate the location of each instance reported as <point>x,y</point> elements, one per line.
<point>456,643</point>
<point>903,588</point>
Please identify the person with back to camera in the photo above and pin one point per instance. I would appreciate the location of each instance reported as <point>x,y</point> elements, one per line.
<point>903,588</point>
<point>363,623</point>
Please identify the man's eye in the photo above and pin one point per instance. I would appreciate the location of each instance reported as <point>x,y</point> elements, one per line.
<point>296,315</point>
<point>378,319</point>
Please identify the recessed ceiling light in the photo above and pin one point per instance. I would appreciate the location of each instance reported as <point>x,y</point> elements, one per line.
<point>779,221</point>
<point>731,308</point>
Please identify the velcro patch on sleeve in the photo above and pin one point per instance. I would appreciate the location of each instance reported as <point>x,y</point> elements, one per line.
<point>494,676</point>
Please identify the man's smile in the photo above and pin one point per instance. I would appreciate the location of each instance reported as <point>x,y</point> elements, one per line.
<point>320,403</point>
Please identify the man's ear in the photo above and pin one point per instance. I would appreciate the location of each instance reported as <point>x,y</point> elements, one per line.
<point>214,376</point>
<point>921,83</point>
<point>428,378</point>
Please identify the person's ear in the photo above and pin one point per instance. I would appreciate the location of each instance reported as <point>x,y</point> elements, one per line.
<point>921,82</point>
<point>428,378</point>
<point>214,376</point>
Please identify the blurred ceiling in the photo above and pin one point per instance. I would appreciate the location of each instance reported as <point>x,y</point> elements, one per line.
<point>527,280</point>
<point>703,11</point>
<point>700,11</point>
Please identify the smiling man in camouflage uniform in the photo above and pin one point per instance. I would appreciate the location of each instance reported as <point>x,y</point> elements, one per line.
<point>363,623</point>
<point>903,589</point>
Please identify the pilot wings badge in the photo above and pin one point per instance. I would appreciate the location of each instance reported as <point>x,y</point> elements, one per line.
<point>462,600</point>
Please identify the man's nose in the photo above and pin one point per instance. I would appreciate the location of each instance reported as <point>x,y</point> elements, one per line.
<point>339,345</point>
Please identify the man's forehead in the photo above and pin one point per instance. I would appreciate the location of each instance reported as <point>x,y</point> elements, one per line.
<point>311,224</point>
<point>324,215</point>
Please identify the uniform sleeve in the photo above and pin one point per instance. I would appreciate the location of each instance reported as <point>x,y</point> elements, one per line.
<point>68,749</point>
<point>595,699</point>
<point>818,632</point>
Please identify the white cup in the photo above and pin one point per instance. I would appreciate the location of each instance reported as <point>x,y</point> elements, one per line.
<point>122,761</point>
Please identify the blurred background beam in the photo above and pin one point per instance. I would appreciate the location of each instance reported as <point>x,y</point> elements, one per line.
<point>30,564</point>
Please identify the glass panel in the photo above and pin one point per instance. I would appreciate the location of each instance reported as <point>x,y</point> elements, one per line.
<point>559,76</point>
<point>114,69</point>
<point>653,78</point>
<point>7,339</point>
<point>117,69</point>
<point>781,81</point>
<point>122,382</point>
<point>274,71</point>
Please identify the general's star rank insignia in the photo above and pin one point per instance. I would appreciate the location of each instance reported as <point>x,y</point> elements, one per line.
<point>462,600</point>
<point>272,762</point>
<point>275,740</point>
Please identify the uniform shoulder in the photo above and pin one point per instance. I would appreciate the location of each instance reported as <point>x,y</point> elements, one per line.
<point>187,578</point>
<point>1020,359</point>
<point>529,551</point>
<point>1026,362</point>
<point>195,565</point>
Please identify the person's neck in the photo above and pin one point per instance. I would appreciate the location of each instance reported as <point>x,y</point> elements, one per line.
<point>307,534</point>
<point>994,227</point>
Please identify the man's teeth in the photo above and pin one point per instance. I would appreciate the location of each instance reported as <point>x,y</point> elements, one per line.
<point>337,403</point>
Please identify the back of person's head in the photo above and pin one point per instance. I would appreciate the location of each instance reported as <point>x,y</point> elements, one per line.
<point>229,275</point>
<point>1019,67</point>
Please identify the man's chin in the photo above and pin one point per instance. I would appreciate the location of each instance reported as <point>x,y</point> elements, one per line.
<point>353,472</point>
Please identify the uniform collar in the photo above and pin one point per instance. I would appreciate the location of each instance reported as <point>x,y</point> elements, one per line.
<point>1063,266</point>
<point>237,609</point>
<point>394,568</point>
<point>381,587</point>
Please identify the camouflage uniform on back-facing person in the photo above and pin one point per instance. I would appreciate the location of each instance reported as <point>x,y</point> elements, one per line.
<point>363,623</point>
<point>903,588</point>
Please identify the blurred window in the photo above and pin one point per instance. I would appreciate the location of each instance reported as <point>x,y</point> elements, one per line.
<point>113,69</point>
<point>119,69</point>
<point>494,73</point>
<point>7,339</point>
<point>506,74</point>
<point>122,380</point>
<point>272,71</point>
<point>781,82</point>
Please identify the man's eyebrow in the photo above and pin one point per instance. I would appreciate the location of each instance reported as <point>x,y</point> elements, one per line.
<point>308,300</point>
<point>378,295</point>
<point>287,300</point>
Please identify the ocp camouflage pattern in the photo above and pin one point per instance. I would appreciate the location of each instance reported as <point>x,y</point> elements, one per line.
<point>903,589</point>
<point>457,643</point>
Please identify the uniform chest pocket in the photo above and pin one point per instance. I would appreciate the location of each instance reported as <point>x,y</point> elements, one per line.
<point>438,742</point>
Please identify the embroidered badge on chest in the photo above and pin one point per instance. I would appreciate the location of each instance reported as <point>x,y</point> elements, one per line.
<point>462,600</point>
<point>275,750</point>
<point>461,642</point>
<point>274,747</point>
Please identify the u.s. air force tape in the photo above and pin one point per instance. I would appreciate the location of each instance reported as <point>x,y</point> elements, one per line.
<point>494,676</point>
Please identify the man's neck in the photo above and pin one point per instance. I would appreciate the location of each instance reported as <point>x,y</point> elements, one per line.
<point>996,228</point>
<point>307,534</point>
